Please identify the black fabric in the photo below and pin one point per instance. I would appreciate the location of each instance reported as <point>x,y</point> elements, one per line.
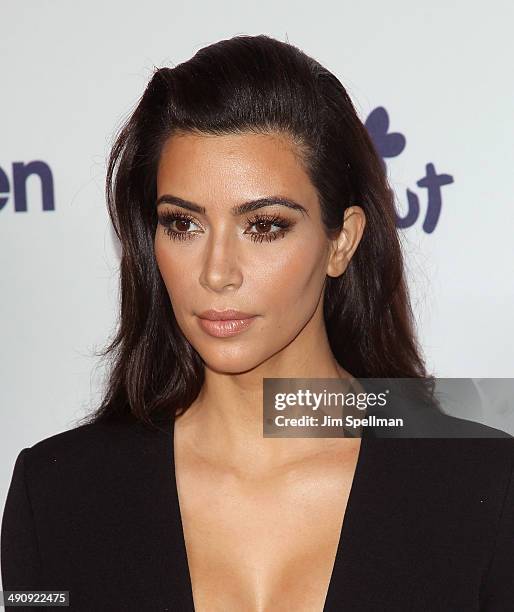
<point>429,525</point>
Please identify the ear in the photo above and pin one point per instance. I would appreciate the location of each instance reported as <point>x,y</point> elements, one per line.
<point>344,245</point>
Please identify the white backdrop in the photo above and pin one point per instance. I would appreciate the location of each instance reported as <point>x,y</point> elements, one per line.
<point>71,72</point>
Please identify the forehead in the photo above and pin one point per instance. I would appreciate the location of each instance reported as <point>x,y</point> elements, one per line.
<point>232,167</point>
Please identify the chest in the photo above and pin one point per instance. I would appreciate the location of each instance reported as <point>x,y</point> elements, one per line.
<point>263,544</point>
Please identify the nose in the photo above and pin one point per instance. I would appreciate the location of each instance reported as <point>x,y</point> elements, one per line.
<point>221,266</point>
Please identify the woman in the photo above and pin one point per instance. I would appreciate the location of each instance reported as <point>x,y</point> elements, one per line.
<point>258,240</point>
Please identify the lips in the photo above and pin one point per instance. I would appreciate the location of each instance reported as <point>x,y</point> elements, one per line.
<point>222,324</point>
<point>225,315</point>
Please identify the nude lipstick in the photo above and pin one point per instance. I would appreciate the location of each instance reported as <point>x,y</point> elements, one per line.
<point>225,323</point>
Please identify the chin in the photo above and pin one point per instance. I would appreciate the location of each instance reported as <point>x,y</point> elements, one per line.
<point>231,362</point>
<point>225,367</point>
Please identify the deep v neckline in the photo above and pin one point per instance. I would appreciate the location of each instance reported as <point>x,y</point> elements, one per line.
<point>353,509</point>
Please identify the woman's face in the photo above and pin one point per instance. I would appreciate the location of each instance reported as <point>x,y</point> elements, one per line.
<point>266,259</point>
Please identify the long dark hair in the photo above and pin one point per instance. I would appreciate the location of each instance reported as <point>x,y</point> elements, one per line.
<point>257,84</point>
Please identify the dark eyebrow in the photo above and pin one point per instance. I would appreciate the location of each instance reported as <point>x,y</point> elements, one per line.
<point>240,209</point>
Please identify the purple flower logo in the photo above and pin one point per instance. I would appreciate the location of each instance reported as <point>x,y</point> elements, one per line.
<point>391,144</point>
<point>388,144</point>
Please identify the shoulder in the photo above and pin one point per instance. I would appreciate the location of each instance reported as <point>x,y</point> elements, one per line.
<point>82,439</point>
<point>89,453</point>
<point>488,454</point>
<point>460,469</point>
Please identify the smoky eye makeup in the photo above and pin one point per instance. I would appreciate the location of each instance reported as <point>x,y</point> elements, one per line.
<point>261,227</point>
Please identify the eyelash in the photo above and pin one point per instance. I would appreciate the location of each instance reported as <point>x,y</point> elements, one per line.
<point>167,218</point>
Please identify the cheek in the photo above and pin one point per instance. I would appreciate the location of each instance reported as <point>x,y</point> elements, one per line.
<point>293,278</point>
<point>274,279</point>
<point>172,272</point>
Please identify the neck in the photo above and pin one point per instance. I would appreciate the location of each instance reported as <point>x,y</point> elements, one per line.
<point>225,423</point>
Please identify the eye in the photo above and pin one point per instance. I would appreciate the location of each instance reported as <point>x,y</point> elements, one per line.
<point>177,225</point>
<point>264,223</point>
<point>180,232</point>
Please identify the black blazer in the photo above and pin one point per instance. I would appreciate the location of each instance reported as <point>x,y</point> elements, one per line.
<point>429,525</point>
